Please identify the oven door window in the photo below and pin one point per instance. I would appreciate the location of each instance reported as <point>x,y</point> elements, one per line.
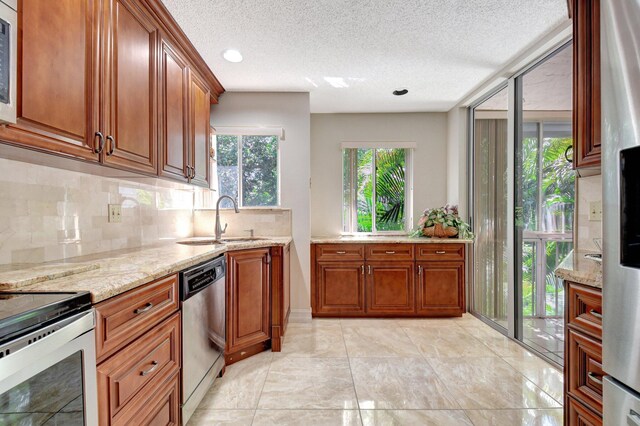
<point>51,397</point>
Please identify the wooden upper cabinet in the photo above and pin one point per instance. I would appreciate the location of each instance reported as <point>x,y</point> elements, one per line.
<point>174,115</point>
<point>57,78</point>
<point>200,130</point>
<point>586,83</point>
<point>131,76</point>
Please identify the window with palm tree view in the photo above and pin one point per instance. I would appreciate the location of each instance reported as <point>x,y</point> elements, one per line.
<point>375,190</point>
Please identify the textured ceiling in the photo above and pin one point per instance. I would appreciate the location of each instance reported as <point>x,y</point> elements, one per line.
<point>438,49</point>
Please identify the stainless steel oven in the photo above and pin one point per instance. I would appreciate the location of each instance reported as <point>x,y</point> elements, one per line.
<point>47,359</point>
<point>8,60</point>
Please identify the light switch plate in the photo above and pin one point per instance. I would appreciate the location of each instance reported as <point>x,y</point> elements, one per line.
<point>595,211</point>
<point>115,213</point>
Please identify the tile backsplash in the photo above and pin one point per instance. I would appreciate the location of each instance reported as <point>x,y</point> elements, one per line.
<point>50,214</point>
<point>589,189</point>
<point>264,222</point>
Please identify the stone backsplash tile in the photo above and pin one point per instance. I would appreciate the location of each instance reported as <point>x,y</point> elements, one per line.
<point>51,214</point>
<point>264,222</point>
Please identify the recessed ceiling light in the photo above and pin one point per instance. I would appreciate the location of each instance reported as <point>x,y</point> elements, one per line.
<point>400,92</point>
<point>232,55</point>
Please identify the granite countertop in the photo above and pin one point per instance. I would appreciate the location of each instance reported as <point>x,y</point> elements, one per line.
<point>390,239</point>
<point>576,268</point>
<point>108,274</point>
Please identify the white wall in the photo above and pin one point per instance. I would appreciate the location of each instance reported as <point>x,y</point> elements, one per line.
<point>328,131</point>
<point>457,171</point>
<point>290,111</point>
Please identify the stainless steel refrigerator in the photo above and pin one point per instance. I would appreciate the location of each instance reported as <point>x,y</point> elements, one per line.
<point>620,50</point>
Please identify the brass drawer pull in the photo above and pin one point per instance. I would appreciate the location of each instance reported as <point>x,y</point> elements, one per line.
<point>143,310</point>
<point>154,366</point>
<point>441,252</point>
<point>596,378</point>
<point>341,252</point>
<point>595,313</point>
<point>390,252</point>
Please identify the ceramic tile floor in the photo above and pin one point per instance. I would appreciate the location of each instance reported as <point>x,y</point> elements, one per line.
<point>388,372</point>
<point>546,335</point>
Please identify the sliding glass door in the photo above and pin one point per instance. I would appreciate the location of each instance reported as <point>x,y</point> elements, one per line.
<point>490,208</point>
<point>523,198</point>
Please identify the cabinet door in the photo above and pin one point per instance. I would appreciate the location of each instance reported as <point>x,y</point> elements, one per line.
<point>200,127</point>
<point>390,288</point>
<point>174,117</point>
<point>131,101</point>
<point>340,288</point>
<point>57,78</point>
<point>586,82</point>
<point>248,305</point>
<point>440,288</point>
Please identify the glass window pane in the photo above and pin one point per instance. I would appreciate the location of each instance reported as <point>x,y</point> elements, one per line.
<point>364,185</point>
<point>530,156</point>
<point>390,189</point>
<point>347,212</point>
<point>259,171</point>
<point>558,178</point>
<point>227,153</point>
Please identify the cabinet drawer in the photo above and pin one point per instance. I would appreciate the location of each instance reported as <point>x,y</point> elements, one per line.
<point>161,407</point>
<point>389,252</point>
<point>440,252</point>
<point>123,318</point>
<point>585,309</point>
<point>140,368</point>
<point>340,252</point>
<point>578,414</point>
<point>584,372</point>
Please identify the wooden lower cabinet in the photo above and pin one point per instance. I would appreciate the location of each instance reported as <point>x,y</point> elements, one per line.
<point>384,280</point>
<point>248,303</point>
<point>440,288</point>
<point>280,294</point>
<point>390,288</point>
<point>340,288</point>
<point>583,355</point>
<point>139,335</point>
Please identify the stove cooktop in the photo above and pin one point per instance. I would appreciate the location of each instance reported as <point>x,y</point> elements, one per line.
<point>23,312</point>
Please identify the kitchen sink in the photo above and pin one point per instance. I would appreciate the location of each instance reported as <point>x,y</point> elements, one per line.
<point>203,241</point>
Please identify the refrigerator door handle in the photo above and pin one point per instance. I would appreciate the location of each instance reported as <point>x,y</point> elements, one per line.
<point>633,418</point>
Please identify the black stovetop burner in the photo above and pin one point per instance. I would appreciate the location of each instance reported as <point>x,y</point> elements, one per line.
<point>24,312</point>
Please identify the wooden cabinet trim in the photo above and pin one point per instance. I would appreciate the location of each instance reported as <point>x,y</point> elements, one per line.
<point>117,324</point>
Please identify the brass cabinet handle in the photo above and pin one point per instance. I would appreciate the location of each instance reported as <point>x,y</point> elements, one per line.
<point>341,252</point>
<point>112,145</point>
<point>419,269</point>
<point>390,252</point>
<point>154,366</point>
<point>369,268</point>
<point>100,147</point>
<point>596,378</point>
<point>362,269</point>
<point>441,252</point>
<point>595,313</point>
<point>143,310</point>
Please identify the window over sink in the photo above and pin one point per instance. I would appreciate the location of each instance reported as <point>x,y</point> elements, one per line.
<point>376,189</point>
<point>247,168</point>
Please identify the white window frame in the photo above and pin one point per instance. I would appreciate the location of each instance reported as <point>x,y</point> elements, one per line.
<point>350,228</point>
<point>239,133</point>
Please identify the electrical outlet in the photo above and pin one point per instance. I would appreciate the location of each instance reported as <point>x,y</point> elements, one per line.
<point>115,213</point>
<point>595,211</point>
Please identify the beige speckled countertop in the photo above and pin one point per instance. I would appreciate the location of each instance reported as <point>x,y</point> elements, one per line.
<point>108,274</point>
<point>391,239</point>
<point>576,268</point>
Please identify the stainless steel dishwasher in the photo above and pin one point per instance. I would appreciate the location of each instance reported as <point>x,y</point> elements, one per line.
<point>203,295</point>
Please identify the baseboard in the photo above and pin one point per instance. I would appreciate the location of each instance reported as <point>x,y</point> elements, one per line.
<point>300,315</point>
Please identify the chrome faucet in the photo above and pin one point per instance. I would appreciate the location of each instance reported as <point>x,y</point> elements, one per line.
<point>219,229</point>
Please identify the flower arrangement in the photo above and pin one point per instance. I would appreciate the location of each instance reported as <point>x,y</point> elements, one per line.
<point>442,222</point>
